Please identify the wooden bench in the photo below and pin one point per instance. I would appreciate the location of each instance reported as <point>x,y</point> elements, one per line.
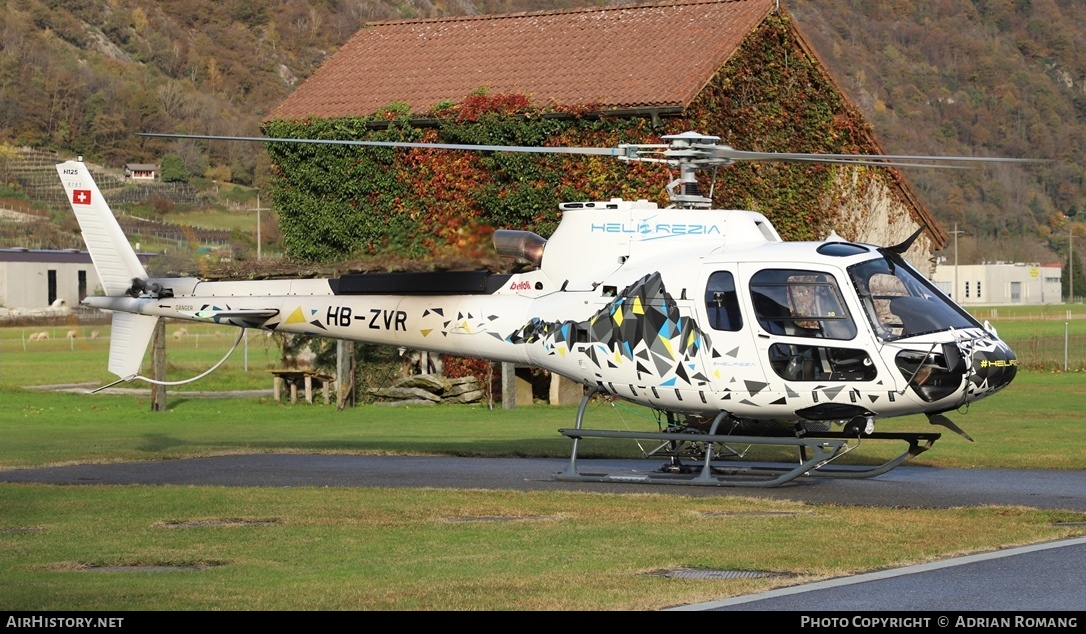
<point>305,378</point>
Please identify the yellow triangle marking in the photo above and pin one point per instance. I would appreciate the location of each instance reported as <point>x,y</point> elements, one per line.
<point>667,344</point>
<point>638,309</point>
<point>427,331</point>
<point>296,317</point>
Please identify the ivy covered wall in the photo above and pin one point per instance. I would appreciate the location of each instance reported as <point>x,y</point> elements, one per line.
<point>339,202</point>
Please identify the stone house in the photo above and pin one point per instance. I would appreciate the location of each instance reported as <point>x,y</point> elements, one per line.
<point>738,69</point>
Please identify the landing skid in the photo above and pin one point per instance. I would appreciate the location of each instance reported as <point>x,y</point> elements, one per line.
<point>718,465</point>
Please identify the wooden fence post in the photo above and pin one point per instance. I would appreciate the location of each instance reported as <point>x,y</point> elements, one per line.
<point>158,361</point>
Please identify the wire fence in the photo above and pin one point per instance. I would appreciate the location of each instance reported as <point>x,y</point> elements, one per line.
<point>1041,313</point>
<point>90,336</point>
<point>1050,352</point>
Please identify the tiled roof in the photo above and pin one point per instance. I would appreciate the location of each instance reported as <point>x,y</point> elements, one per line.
<point>640,56</point>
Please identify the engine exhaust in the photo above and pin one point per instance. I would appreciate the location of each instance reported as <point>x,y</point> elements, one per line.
<point>523,245</point>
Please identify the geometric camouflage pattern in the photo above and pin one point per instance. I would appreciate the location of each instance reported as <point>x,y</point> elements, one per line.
<point>641,326</point>
<point>992,366</point>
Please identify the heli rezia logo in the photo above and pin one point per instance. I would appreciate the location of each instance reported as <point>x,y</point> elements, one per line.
<point>657,230</point>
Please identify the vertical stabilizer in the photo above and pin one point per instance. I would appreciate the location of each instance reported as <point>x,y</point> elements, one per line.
<point>116,263</point>
<point>128,341</point>
<point>114,259</point>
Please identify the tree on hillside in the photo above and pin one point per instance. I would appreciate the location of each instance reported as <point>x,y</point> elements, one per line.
<point>173,169</point>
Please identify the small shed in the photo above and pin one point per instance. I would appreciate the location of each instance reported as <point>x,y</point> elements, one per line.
<point>144,172</point>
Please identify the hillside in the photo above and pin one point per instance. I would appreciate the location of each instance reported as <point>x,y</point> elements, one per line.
<point>985,77</point>
<point>85,76</point>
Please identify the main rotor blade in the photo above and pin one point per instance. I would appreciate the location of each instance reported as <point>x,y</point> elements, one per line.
<point>431,146</point>
<point>863,159</point>
<point>695,153</point>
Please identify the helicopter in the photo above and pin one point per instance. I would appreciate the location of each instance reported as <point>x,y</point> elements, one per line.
<point>733,336</point>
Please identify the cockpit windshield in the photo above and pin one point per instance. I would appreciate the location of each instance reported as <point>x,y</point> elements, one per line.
<point>900,303</point>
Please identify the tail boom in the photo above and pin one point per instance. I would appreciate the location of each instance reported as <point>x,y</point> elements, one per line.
<point>440,317</point>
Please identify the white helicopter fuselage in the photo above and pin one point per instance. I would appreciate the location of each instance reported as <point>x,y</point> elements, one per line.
<point>689,311</point>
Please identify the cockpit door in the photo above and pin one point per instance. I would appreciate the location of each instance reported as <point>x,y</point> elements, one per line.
<point>808,339</point>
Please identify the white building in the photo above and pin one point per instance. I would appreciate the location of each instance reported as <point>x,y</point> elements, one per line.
<point>1000,283</point>
<point>31,278</point>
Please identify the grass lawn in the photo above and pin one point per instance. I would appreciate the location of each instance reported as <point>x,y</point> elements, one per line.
<point>1035,422</point>
<point>79,548</point>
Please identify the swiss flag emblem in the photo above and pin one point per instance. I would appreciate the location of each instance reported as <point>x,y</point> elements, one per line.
<point>81,196</point>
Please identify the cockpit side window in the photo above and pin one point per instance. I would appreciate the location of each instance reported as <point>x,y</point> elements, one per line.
<point>800,304</point>
<point>722,302</point>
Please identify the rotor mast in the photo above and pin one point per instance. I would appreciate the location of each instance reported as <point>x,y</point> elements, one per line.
<point>688,152</point>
